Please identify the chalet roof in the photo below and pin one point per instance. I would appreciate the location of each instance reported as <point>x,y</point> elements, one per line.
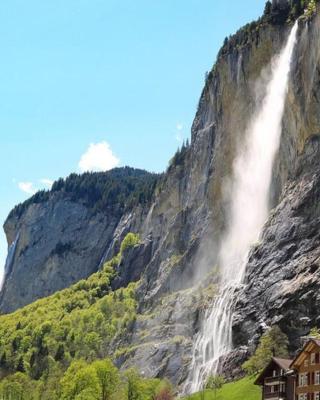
<point>306,349</point>
<point>283,363</point>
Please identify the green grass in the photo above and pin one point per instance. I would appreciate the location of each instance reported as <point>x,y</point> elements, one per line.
<point>244,389</point>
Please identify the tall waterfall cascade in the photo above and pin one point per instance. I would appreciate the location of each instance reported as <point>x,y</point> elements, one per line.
<point>251,181</point>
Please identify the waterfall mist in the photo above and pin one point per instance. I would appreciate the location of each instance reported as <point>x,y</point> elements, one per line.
<point>249,206</point>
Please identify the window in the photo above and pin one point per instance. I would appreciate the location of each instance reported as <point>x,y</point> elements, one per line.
<point>306,363</point>
<point>317,378</point>
<point>281,372</point>
<point>312,358</point>
<point>303,396</point>
<point>272,389</point>
<point>303,379</point>
<point>274,373</point>
<point>316,396</point>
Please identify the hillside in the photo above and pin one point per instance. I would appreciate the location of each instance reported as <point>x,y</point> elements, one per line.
<point>79,323</point>
<point>242,389</point>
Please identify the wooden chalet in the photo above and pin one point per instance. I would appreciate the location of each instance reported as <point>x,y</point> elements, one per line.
<point>277,380</point>
<point>307,369</point>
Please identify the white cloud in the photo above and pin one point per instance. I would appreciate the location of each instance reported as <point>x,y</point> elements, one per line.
<point>27,187</point>
<point>98,157</point>
<point>47,182</point>
<point>179,126</point>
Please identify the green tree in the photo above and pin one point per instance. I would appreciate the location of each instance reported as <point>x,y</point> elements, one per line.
<point>3,360</point>
<point>133,390</point>
<point>214,383</point>
<point>130,240</point>
<point>59,353</point>
<point>268,8</point>
<point>273,343</point>
<point>20,365</point>
<point>108,378</point>
<point>87,394</point>
<point>11,390</point>
<point>79,378</point>
<point>19,386</point>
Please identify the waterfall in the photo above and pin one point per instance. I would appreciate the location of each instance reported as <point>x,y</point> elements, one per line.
<point>252,174</point>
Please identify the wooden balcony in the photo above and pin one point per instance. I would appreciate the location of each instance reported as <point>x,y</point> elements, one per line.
<point>274,395</point>
<point>275,379</point>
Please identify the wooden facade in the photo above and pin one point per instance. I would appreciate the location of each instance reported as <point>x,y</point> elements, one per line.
<point>307,370</point>
<point>276,381</point>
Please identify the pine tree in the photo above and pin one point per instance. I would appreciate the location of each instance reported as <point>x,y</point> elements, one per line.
<point>268,8</point>
<point>20,366</point>
<point>3,360</point>
<point>60,353</point>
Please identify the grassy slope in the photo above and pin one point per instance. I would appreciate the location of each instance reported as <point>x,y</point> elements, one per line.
<point>243,389</point>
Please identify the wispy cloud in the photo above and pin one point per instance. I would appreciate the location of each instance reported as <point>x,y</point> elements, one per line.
<point>27,187</point>
<point>30,187</point>
<point>98,157</point>
<point>46,182</point>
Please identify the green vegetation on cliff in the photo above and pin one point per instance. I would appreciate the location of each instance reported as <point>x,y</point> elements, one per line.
<point>79,323</point>
<point>116,190</point>
<point>274,343</point>
<point>274,14</point>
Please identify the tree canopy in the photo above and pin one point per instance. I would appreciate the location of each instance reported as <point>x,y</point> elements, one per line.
<point>274,343</point>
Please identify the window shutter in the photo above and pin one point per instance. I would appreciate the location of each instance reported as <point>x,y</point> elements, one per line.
<point>317,358</point>
<point>313,378</point>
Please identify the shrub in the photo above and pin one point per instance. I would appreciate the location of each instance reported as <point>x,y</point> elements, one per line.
<point>130,240</point>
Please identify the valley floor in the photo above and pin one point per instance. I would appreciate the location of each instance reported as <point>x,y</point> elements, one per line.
<point>244,389</point>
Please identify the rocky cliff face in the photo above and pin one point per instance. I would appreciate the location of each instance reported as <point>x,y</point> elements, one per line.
<point>60,241</point>
<point>283,273</point>
<point>58,238</point>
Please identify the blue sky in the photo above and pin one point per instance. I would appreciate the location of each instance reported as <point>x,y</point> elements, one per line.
<point>89,84</point>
